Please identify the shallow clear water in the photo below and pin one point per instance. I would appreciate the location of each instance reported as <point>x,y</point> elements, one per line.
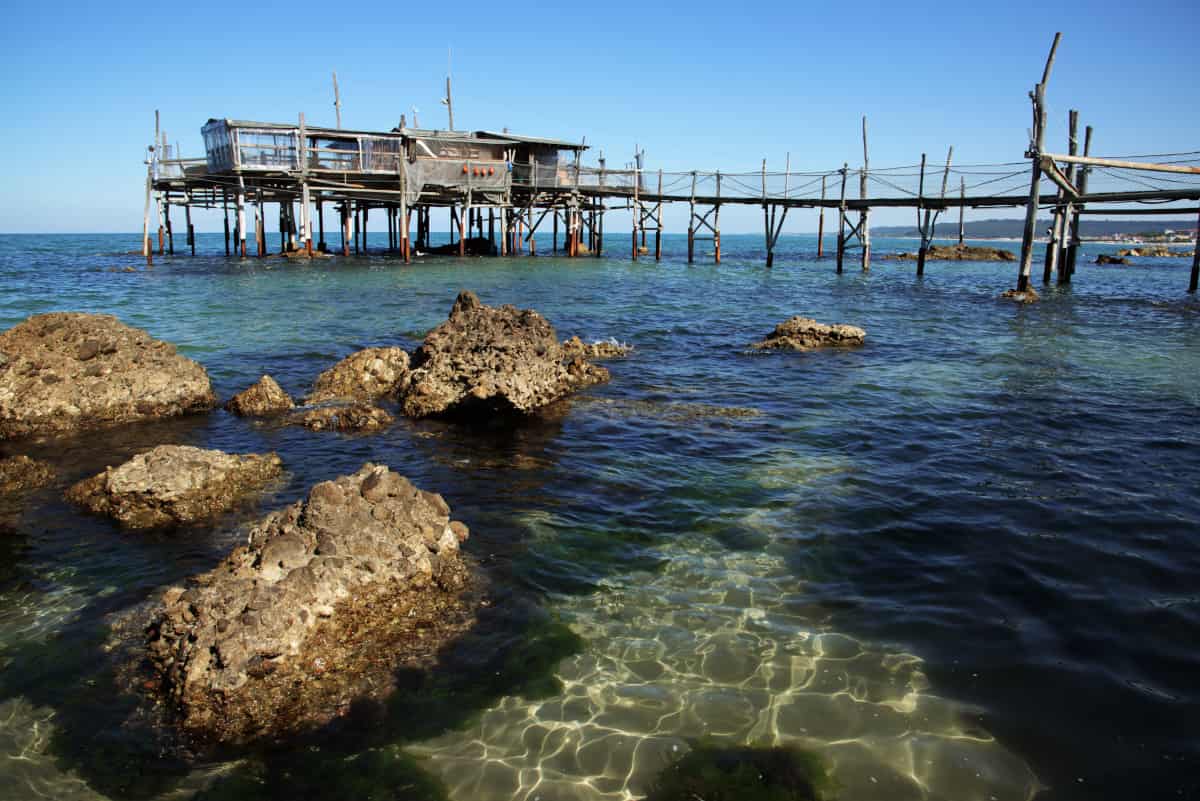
<point>959,562</point>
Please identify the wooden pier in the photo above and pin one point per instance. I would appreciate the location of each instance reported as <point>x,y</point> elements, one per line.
<point>517,183</point>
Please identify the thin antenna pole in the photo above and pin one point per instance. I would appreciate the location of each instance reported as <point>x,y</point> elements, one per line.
<point>449,96</point>
<point>337,100</point>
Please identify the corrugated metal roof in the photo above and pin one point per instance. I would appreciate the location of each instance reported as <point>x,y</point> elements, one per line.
<point>415,133</point>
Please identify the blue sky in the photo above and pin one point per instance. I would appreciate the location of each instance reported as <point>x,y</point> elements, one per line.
<point>699,86</point>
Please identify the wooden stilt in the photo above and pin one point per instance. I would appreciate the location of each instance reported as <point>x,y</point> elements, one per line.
<point>1192,282</point>
<point>366,213</point>
<point>841,240</point>
<point>554,232</point>
<point>321,224</point>
<point>344,210</point>
<point>462,242</point>
<point>717,223</point>
<point>922,225</point>
<point>225,196</point>
<point>962,208</point>
<point>821,222</point>
<point>1073,223</point>
<point>1039,139</point>
<point>306,219</point>
<point>241,217</point>
<point>491,234</point>
<point>864,228</point>
<point>357,228</point>
<point>191,233</point>
<point>170,230</point>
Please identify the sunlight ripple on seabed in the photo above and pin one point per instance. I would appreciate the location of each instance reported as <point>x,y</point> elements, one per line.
<point>723,644</point>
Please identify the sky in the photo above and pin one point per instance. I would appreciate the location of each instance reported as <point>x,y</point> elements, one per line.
<point>698,85</point>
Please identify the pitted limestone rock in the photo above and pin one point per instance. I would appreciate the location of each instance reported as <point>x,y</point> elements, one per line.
<point>803,333</point>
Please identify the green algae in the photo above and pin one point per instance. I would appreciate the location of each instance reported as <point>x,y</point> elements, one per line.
<point>743,773</point>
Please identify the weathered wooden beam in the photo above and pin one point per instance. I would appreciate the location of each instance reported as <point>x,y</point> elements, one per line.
<point>1038,96</point>
<point>1051,171</point>
<point>1093,161</point>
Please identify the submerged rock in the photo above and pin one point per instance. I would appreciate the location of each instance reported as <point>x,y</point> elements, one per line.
<point>264,398</point>
<point>603,349</point>
<point>365,375</point>
<point>1027,295</point>
<point>742,773</point>
<point>486,360</point>
<point>958,253</point>
<point>328,597</point>
<point>803,333</point>
<point>351,417</point>
<point>1156,252</point>
<point>174,484</point>
<point>65,371</point>
<point>21,474</point>
<point>1104,258</point>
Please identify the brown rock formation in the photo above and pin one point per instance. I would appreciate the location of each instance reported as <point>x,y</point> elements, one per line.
<point>488,360</point>
<point>174,484</point>
<point>1104,258</point>
<point>365,375</point>
<point>21,474</point>
<point>264,398</point>
<point>803,333</point>
<point>1028,295</point>
<point>352,417</point>
<point>66,371</point>
<point>328,598</point>
<point>959,253</point>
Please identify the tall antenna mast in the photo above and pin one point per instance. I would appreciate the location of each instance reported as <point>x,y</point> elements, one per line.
<point>337,100</point>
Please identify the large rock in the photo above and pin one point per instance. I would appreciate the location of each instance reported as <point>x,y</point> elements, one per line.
<point>65,371</point>
<point>958,253</point>
<point>487,360</point>
<point>347,418</point>
<point>21,474</point>
<point>174,484</point>
<point>266,397</point>
<point>803,333</point>
<point>328,597</point>
<point>1105,258</point>
<point>1025,296</point>
<point>365,375</point>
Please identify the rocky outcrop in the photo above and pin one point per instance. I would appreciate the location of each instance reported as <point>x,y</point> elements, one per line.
<point>958,253</point>
<point>328,597</point>
<point>347,418</point>
<point>492,360</point>
<point>803,333</point>
<point>365,375</point>
<point>1027,295</point>
<point>21,474</point>
<point>601,349</point>
<point>174,484</point>
<point>264,398</point>
<point>1104,258</point>
<point>65,371</point>
<point>1156,252</point>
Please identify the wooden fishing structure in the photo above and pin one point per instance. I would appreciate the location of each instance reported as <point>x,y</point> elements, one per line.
<point>516,183</point>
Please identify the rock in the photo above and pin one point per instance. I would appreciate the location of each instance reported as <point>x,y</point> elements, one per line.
<point>352,417</point>
<point>264,398</point>
<point>365,375</point>
<point>66,371</point>
<point>602,349</point>
<point>958,253</point>
<point>484,361</point>
<point>803,333</point>
<point>21,474</point>
<point>362,576</point>
<point>1104,258</point>
<point>174,484</point>
<point>1028,295</point>
<point>1156,252</point>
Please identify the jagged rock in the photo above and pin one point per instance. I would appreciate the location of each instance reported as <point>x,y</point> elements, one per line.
<point>803,333</point>
<point>492,360</point>
<point>174,484</point>
<point>327,599</point>
<point>1104,258</point>
<point>353,417</point>
<point>1156,252</point>
<point>65,371</point>
<point>603,349</point>
<point>264,398</point>
<point>21,474</point>
<point>958,253</point>
<point>1027,295</point>
<point>365,375</point>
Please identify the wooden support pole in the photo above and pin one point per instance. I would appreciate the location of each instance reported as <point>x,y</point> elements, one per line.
<point>241,217</point>
<point>962,207</point>
<point>260,228</point>
<point>170,230</point>
<point>1068,212</point>
<point>692,223</point>
<point>717,223</point>
<point>357,228</point>
<point>864,230</point>
<point>491,235</point>
<point>599,232</point>
<point>1038,96</point>
<point>147,252</point>
<point>841,240</point>
<point>554,232</point>
<point>225,197</point>
<point>821,222</point>
<point>306,218</point>
<point>923,226</point>
<point>191,234</point>
<point>637,204</point>
<point>1192,282</point>
<point>344,213</point>
<point>1073,223</point>
<point>321,223</point>
<point>462,242</point>
<point>658,222</point>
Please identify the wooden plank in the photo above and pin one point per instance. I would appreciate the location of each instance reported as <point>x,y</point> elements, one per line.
<point>1093,161</point>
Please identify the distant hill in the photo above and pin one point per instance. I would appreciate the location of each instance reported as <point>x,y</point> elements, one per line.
<point>1013,228</point>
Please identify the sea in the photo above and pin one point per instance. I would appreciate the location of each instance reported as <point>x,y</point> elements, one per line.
<point>959,562</point>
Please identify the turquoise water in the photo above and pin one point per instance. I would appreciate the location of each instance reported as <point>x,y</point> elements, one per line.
<point>959,562</point>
